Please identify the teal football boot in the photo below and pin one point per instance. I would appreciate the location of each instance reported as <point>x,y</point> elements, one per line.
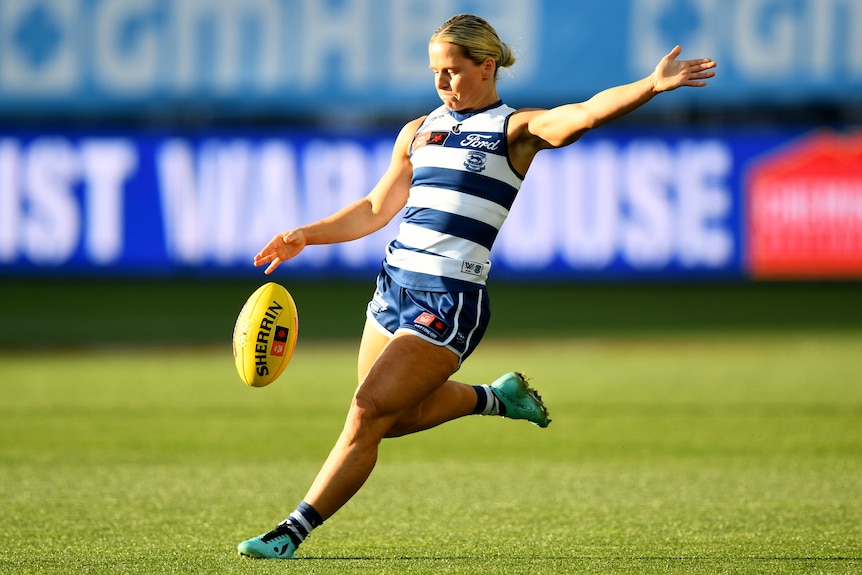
<point>280,543</point>
<point>520,400</point>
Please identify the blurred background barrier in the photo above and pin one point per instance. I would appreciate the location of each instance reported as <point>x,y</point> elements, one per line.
<point>52,315</point>
<point>164,137</point>
<point>622,203</point>
<point>303,57</point>
<point>151,147</point>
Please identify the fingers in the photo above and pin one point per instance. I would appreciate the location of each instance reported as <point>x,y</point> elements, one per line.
<point>701,72</point>
<point>701,64</point>
<point>271,268</point>
<point>272,259</point>
<point>693,65</point>
<point>279,249</point>
<point>261,259</point>
<point>266,255</point>
<point>696,71</point>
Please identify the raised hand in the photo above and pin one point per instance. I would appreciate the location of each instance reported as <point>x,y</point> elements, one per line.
<point>280,249</point>
<point>671,73</point>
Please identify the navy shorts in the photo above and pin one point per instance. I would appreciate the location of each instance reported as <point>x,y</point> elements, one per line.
<point>455,320</point>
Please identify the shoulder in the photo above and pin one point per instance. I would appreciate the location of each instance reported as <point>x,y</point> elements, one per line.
<point>406,135</point>
<point>413,125</point>
<point>523,143</point>
<point>519,122</point>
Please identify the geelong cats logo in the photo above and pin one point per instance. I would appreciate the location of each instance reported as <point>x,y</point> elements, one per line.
<point>475,161</point>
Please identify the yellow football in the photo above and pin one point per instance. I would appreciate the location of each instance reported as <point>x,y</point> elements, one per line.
<point>264,336</point>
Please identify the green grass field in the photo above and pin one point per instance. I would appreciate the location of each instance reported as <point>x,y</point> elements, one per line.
<point>698,445</point>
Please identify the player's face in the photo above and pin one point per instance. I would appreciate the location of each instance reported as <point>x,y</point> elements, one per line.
<point>462,84</point>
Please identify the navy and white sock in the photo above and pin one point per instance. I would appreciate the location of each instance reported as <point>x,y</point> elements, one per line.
<point>486,402</point>
<point>302,521</point>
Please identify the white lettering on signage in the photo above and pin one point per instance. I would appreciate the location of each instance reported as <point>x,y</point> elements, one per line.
<point>57,196</point>
<point>221,30</point>
<point>223,201</point>
<point>828,17</point>
<point>590,203</point>
<point>206,199</point>
<point>342,33</point>
<point>105,164</point>
<point>51,232</point>
<point>647,240</point>
<point>516,21</point>
<point>763,39</point>
<point>526,240</point>
<point>646,205</point>
<point>702,169</point>
<point>229,47</point>
<point>132,66</point>
<point>58,74</point>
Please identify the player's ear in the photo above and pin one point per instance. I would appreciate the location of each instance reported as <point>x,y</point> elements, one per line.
<point>489,66</point>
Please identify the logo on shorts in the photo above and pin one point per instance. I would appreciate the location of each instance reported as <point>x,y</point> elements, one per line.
<point>430,324</point>
<point>377,303</point>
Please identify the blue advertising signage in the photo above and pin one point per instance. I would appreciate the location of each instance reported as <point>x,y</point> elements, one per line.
<point>366,56</point>
<point>616,204</point>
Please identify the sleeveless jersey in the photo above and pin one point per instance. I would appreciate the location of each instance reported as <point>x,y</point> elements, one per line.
<point>462,189</point>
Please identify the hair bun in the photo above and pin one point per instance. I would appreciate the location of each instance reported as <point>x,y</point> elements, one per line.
<point>506,56</point>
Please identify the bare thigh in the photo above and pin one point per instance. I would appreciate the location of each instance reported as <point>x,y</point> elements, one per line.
<point>397,374</point>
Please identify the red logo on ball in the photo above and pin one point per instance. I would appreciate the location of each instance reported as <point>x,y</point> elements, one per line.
<point>279,341</point>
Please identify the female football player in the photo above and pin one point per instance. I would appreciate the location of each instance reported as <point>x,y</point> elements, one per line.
<point>456,171</point>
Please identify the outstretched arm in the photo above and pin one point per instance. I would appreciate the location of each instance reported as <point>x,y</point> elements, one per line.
<point>357,220</point>
<point>563,125</point>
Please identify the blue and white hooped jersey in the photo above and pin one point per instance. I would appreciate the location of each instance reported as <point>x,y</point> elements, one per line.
<point>463,187</point>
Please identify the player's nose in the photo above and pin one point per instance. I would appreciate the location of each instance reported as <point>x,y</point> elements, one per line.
<point>442,81</point>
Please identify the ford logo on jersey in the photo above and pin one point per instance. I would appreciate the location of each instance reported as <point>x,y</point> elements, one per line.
<point>482,141</point>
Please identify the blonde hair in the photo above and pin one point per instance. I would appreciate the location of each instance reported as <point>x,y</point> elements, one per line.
<point>477,38</point>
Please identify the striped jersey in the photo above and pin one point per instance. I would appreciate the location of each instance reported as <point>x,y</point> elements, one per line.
<point>462,189</point>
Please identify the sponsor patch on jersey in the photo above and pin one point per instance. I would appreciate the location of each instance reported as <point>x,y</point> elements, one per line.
<point>481,141</point>
<point>429,139</point>
<point>473,268</point>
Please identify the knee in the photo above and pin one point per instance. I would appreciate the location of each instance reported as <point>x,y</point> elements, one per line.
<point>368,418</point>
<point>405,424</point>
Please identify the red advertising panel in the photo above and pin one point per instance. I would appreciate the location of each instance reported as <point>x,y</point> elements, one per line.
<point>805,209</point>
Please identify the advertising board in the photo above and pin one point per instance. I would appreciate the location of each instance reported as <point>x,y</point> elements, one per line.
<point>308,56</point>
<point>804,209</point>
<point>615,205</point>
